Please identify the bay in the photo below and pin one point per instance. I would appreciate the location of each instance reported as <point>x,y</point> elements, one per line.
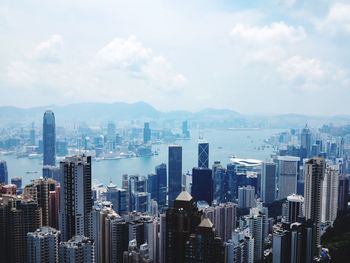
<point>222,144</point>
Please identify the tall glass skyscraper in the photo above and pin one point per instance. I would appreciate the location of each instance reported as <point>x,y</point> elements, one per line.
<point>3,173</point>
<point>49,138</point>
<point>203,155</point>
<point>175,172</point>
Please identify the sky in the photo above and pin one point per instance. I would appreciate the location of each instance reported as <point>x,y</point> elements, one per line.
<point>277,56</point>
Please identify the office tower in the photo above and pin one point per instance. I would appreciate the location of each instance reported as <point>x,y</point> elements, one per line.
<point>181,220</point>
<point>203,155</point>
<point>42,245</point>
<point>295,208</point>
<point>314,175</point>
<point>62,147</point>
<point>281,245</point>
<point>185,130</point>
<point>78,249</point>
<point>268,182</point>
<point>343,190</point>
<point>301,236</point>
<point>146,133</point>
<point>161,172</point>
<point>50,171</point>
<point>142,202</point>
<point>75,197</point>
<point>162,238</point>
<point>49,138</point>
<point>17,181</point>
<point>202,185</point>
<point>219,182</point>
<point>111,131</point>
<point>175,172</point>
<point>3,172</point>
<point>118,198</point>
<point>39,191</point>
<point>341,148</point>
<point>137,184</point>
<point>287,174</point>
<point>223,216</point>
<point>32,135</point>
<point>203,246</point>
<point>240,249</point>
<point>17,218</point>
<point>232,182</point>
<point>246,196</point>
<point>330,194</point>
<point>306,141</point>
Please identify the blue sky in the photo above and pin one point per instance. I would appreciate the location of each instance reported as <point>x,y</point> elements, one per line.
<point>277,56</point>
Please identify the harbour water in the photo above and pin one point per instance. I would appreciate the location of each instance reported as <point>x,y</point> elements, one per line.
<point>222,145</point>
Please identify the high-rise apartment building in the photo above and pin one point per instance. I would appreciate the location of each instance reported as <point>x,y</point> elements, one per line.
<point>330,194</point>
<point>314,172</point>
<point>268,182</point>
<point>17,218</point>
<point>49,138</point>
<point>75,197</point>
<point>39,190</point>
<point>287,174</point>
<point>174,172</point>
<point>78,249</point>
<point>42,245</point>
<point>203,155</point>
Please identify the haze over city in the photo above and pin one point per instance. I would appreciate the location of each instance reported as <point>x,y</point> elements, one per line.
<point>251,57</point>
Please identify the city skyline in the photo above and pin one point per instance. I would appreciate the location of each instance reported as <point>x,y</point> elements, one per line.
<point>178,56</point>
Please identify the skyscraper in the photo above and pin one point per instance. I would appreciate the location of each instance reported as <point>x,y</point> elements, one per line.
<point>343,193</point>
<point>39,191</point>
<point>202,185</point>
<point>146,133</point>
<point>268,182</point>
<point>181,221</point>
<point>79,249</point>
<point>246,196</point>
<point>32,135</point>
<point>295,208</point>
<point>306,141</point>
<point>330,194</point>
<point>175,172</point>
<point>203,246</point>
<point>17,218</point>
<point>75,197</point>
<point>287,174</point>
<point>42,245</point>
<point>49,138</point>
<point>3,172</point>
<point>161,173</point>
<point>314,170</point>
<point>203,155</point>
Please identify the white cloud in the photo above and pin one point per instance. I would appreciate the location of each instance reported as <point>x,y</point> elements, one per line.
<point>131,56</point>
<point>276,33</point>
<point>309,74</point>
<point>337,20</point>
<point>50,50</point>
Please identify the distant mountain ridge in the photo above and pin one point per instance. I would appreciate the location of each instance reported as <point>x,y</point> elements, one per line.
<point>93,113</point>
<point>117,111</point>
